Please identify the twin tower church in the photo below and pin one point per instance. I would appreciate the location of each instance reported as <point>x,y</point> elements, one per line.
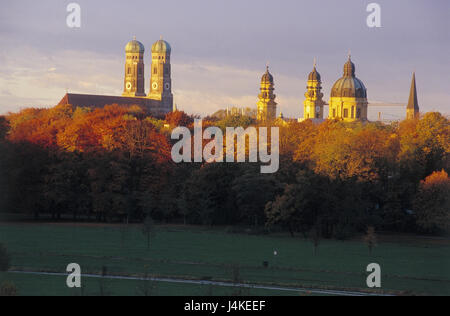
<point>348,100</point>
<point>158,101</point>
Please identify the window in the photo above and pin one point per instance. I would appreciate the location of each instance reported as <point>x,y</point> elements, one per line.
<point>140,71</point>
<point>353,112</point>
<point>345,113</point>
<point>155,71</point>
<point>334,112</point>
<point>358,113</point>
<point>129,70</point>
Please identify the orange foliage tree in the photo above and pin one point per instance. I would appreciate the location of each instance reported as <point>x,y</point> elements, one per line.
<point>432,204</point>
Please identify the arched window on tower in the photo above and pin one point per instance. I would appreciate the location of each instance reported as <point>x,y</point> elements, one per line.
<point>155,71</point>
<point>129,70</point>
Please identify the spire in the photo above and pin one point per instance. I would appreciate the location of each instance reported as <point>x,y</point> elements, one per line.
<point>349,67</point>
<point>134,37</point>
<point>413,104</point>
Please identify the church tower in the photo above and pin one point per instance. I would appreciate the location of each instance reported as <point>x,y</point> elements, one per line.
<point>134,70</point>
<point>267,107</point>
<point>161,80</point>
<point>313,104</point>
<point>412,110</point>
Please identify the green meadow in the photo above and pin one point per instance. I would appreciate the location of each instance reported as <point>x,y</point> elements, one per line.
<point>410,265</point>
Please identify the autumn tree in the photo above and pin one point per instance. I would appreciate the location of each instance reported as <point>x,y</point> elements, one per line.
<point>4,128</point>
<point>179,118</point>
<point>424,146</point>
<point>432,204</point>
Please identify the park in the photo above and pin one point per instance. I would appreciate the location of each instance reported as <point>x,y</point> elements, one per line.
<point>202,261</point>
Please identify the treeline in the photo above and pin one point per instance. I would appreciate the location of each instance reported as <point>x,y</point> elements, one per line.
<point>335,179</point>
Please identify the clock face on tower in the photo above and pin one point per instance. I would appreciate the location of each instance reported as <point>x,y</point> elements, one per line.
<point>155,85</point>
<point>129,86</point>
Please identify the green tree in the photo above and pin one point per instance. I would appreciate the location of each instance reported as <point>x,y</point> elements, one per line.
<point>370,239</point>
<point>253,191</point>
<point>148,229</point>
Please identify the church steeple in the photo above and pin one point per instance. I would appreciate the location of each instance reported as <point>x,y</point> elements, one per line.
<point>412,110</point>
<point>267,107</point>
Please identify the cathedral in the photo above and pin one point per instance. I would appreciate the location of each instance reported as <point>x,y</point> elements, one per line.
<point>158,101</point>
<point>348,98</point>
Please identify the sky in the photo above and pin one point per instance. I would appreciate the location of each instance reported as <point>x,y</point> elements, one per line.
<point>220,50</point>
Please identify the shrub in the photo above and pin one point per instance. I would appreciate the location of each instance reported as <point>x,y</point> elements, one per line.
<point>8,289</point>
<point>4,258</point>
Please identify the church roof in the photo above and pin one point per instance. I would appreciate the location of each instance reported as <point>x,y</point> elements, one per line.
<point>267,77</point>
<point>348,85</point>
<point>412,102</point>
<point>135,47</point>
<point>314,75</point>
<point>161,47</point>
<point>100,101</point>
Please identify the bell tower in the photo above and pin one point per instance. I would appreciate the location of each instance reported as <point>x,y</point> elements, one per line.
<point>267,107</point>
<point>313,104</point>
<point>161,80</point>
<point>134,70</point>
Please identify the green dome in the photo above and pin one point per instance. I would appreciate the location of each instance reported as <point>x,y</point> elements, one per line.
<point>135,47</point>
<point>161,47</point>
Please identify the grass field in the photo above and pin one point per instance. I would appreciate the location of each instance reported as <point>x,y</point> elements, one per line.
<point>409,264</point>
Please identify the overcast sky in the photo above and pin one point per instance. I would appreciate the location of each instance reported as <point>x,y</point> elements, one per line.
<point>220,49</point>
